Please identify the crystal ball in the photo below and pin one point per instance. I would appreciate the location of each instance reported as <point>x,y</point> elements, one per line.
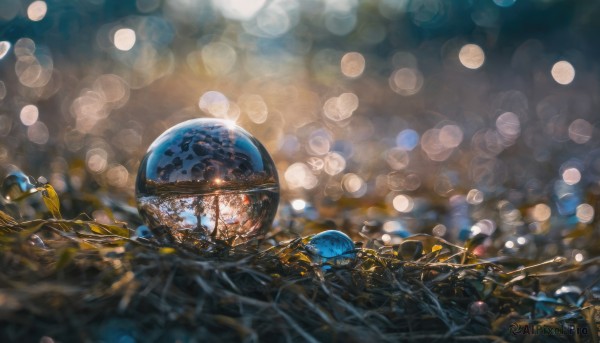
<point>16,186</point>
<point>205,180</point>
<point>331,248</point>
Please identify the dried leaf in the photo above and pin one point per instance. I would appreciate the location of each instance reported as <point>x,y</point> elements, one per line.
<point>166,251</point>
<point>51,200</point>
<point>6,220</point>
<point>103,229</point>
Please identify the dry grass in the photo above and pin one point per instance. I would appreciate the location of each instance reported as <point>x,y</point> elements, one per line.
<point>92,282</point>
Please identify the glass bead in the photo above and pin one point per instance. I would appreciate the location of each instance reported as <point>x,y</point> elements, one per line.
<point>16,186</point>
<point>331,248</point>
<point>206,180</point>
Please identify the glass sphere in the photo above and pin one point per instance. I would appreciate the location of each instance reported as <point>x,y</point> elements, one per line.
<point>205,180</point>
<point>332,248</point>
<point>478,308</point>
<point>569,294</point>
<point>16,186</point>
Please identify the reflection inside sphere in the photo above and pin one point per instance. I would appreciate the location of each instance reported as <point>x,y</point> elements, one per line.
<point>208,179</point>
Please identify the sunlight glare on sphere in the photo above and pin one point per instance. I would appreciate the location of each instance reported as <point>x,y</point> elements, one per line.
<point>124,39</point>
<point>471,56</point>
<point>37,10</point>
<point>563,72</point>
<point>353,64</point>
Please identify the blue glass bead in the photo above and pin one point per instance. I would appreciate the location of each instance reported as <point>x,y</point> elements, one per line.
<point>16,186</point>
<point>332,248</point>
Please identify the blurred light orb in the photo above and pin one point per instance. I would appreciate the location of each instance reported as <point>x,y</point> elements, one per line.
<point>331,248</point>
<point>299,175</point>
<point>439,230</point>
<point>29,115</point>
<point>219,58</point>
<point>341,107</point>
<point>255,107</point>
<point>16,185</point>
<point>207,179</point>
<point>97,160</point>
<point>24,47</point>
<point>397,158</point>
<point>238,9</point>
<point>407,139</point>
<point>571,176</point>
<point>4,48</point>
<point>273,21</point>
<point>353,64</point>
<point>340,23</point>
<point>124,39</point>
<point>354,185</point>
<point>334,163</point>
<point>471,56</point>
<point>298,205</point>
<point>541,212</point>
<point>508,125</point>
<point>117,176</point>
<point>214,103</point>
<point>403,203</point>
<point>450,136</point>
<point>386,238</point>
<point>406,81</point>
<point>585,213</point>
<point>347,103</point>
<point>38,133</point>
<point>318,145</point>
<point>315,163</point>
<point>146,6</point>
<point>504,3</point>
<point>475,197</point>
<point>580,131</point>
<point>563,72</point>
<point>37,10</point>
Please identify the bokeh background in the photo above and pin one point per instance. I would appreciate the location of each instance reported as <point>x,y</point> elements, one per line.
<point>385,118</point>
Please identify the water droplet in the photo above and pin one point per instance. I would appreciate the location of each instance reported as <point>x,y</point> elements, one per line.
<point>568,294</point>
<point>16,186</point>
<point>207,179</point>
<point>410,250</point>
<point>331,247</point>
<point>143,231</point>
<point>478,308</point>
<point>36,241</point>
